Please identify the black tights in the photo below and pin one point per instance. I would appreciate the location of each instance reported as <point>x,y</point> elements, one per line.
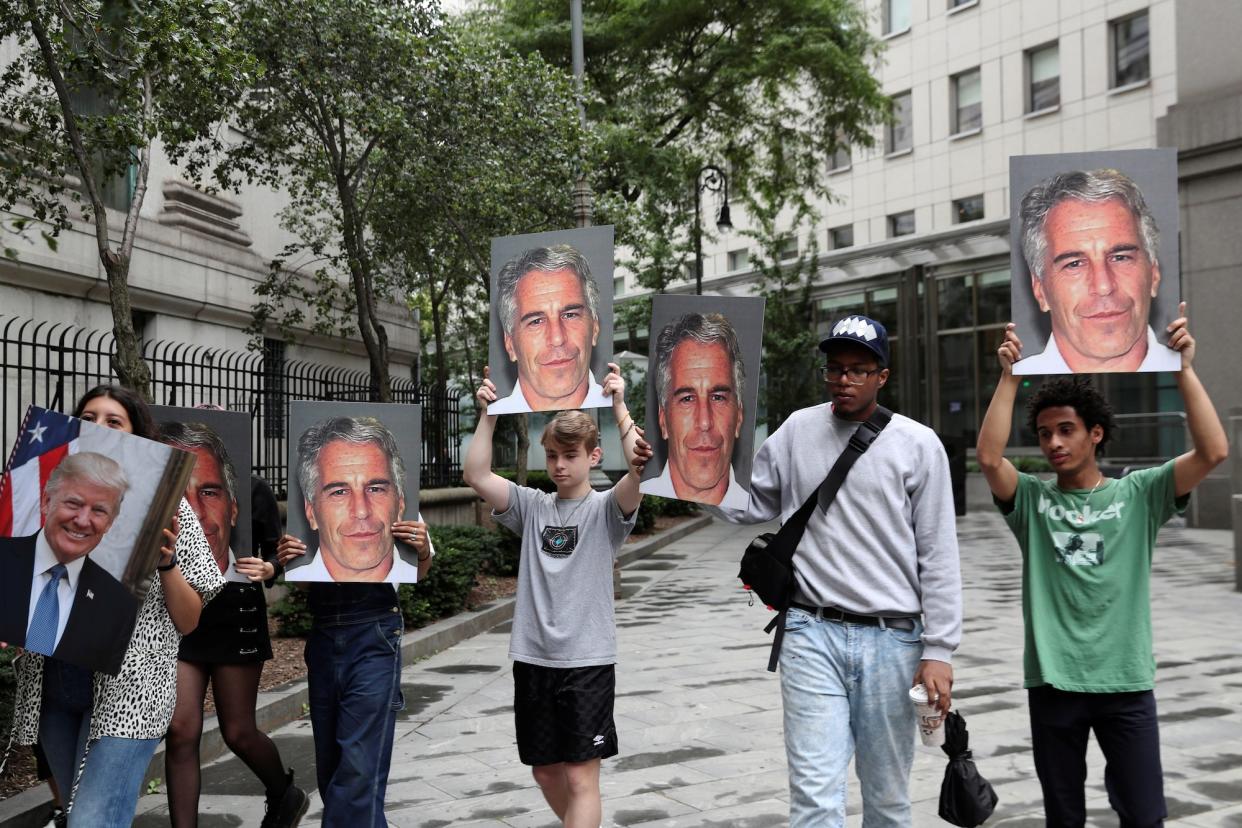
<point>235,688</point>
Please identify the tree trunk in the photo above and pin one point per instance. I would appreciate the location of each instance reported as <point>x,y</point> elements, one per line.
<point>374,337</point>
<point>130,368</point>
<point>437,330</point>
<point>522,423</point>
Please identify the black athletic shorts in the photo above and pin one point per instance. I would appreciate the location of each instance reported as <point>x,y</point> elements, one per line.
<point>564,714</point>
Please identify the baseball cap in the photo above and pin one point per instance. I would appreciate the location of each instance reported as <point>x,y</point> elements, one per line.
<point>860,330</point>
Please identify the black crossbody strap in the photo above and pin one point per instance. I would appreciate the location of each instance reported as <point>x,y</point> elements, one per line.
<point>860,441</point>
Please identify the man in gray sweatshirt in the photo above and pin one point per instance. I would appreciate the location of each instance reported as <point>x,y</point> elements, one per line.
<point>878,607</point>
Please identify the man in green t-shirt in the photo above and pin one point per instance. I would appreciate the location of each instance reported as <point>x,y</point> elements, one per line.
<point>1087,543</point>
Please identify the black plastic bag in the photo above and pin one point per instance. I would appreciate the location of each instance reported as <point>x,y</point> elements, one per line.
<point>966,798</point>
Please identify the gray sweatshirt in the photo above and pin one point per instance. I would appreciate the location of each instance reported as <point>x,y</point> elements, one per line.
<point>888,543</point>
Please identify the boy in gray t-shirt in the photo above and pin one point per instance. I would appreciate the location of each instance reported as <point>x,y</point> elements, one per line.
<point>564,644</point>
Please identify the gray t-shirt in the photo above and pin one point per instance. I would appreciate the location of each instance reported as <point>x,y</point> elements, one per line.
<point>564,612</point>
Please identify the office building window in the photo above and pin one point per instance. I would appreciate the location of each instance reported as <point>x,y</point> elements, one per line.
<point>957,4</point>
<point>789,249</point>
<point>896,16</point>
<point>840,159</point>
<point>900,132</point>
<point>968,209</point>
<point>901,224</point>
<point>739,259</point>
<point>967,102</point>
<point>842,236</point>
<point>1043,72</point>
<point>971,310</point>
<point>618,285</point>
<point>1131,50</point>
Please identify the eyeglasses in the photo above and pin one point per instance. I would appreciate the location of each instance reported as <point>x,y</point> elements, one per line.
<point>855,375</point>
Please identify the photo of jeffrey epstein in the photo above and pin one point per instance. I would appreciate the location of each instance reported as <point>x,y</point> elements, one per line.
<point>551,320</point>
<point>219,487</point>
<point>702,397</point>
<point>353,472</point>
<point>1094,261</point>
<point>82,509</point>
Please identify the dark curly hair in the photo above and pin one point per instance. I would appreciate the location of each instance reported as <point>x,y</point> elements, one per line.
<point>1076,393</point>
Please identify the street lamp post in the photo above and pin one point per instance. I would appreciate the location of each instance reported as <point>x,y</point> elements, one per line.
<point>583,206</point>
<point>714,181</point>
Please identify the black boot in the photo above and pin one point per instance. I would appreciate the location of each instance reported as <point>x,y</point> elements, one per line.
<point>285,809</point>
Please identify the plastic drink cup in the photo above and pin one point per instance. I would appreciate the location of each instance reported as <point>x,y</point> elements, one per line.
<point>931,723</point>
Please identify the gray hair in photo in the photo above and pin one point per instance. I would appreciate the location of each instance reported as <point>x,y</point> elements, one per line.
<point>192,436</point>
<point>356,430</point>
<point>90,467</point>
<point>1094,187</point>
<point>546,259</point>
<point>705,328</point>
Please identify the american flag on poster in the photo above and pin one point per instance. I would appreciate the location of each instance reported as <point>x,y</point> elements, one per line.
<point>46,438</point>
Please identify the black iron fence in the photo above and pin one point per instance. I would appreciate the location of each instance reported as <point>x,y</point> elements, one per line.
<point>52,364</point>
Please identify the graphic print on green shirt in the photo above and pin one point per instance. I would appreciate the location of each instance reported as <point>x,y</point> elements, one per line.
<point>1086,575</point>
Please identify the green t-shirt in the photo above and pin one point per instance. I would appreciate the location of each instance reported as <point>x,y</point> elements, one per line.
<point>1086,573</point>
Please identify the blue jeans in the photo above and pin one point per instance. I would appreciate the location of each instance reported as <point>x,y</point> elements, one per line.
<point>64,720</point>
<point>353,671</point>
<point>845,686</point>
<point>110,782</point>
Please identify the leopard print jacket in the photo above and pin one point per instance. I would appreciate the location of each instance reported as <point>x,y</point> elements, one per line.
<point>138,702</point>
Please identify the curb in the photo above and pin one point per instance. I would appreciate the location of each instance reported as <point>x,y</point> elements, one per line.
<point>281,705</point>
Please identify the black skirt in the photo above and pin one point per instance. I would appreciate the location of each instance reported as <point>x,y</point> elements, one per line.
<point>232,629</point>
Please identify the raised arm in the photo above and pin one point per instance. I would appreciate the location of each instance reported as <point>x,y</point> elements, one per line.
<point>1001,475</point>
<point>1208,444</point>
<point>477,468</point>
<point>637,451</point>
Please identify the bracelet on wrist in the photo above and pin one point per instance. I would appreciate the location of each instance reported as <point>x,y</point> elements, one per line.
<point>169,565</point>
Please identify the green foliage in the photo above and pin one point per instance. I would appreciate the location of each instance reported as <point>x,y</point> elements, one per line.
<point>461,553</point>
<point>535,478</point>
<point>8,686</point>
<point>344,82</point>
<point>292,613</point>
<point>635,377</point>
<point>644,521</point>
<point>653,507</point>
<point>668,507</point>
<point>85,91</point>
<point>790,343</point>
<point>448,583</point>
<point>405,146</point>
<point>768,90</point>
<point>1030,463</point>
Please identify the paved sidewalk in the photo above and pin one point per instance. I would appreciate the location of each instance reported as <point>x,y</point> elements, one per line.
<point>699,718</point>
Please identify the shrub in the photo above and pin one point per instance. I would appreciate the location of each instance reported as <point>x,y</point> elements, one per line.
<point>444,591</point>
<point>508,553</point>
<point>8,687</point>
<point>292,613</point>
<point>1033,464</point>
<point>668,507</point>
<point>535,478</point>
<point>644,522</point>
<point>460,551</point>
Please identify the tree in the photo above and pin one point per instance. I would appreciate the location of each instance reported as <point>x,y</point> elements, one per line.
<point>769,90</point>
<point>342,79</point>
<point>789,337</point>
<point>95,83</point>
<point>493,155</point>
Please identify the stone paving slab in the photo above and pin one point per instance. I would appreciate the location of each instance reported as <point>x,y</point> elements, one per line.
<point>699,717</point>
